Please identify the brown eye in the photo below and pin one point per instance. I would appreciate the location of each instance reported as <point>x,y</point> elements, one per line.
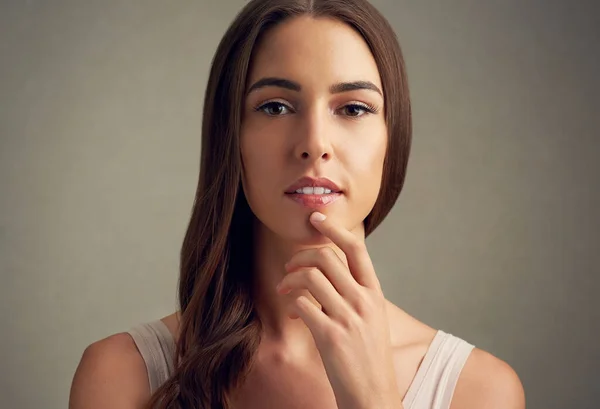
<point>273,108</point>
<point>356,110</point>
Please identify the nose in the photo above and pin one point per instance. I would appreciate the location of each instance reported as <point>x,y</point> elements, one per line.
<point>314,139</point>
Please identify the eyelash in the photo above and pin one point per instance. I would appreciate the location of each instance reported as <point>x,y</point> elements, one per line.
<point>367,108</point>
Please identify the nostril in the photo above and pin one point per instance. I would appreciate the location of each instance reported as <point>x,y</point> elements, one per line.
<point>307,155</point>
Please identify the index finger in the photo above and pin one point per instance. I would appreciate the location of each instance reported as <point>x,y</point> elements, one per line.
<point>359,262</point>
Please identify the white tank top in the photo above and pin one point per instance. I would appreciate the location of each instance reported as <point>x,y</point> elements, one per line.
<point>432,387</point>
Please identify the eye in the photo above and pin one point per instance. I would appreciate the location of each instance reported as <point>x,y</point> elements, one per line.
<point>273,108</point>
<point>357,110</point>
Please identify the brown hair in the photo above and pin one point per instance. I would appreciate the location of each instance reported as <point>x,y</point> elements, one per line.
<point>219,331</point>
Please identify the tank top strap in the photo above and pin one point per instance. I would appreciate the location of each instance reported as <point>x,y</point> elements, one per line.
<point>436,378</point>
<point>157,347</point>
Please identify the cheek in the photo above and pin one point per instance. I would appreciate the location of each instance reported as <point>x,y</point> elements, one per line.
<point>260,163</point>
<point>366,159</point>
<point>365,166</point>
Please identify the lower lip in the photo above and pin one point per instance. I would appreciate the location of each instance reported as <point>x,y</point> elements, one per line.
<point>314,201</point>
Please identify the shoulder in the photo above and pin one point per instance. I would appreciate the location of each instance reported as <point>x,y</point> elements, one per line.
<point>487,382</point>
<point>484,382</point>
<point>111,373</point>
<point>172,322</point>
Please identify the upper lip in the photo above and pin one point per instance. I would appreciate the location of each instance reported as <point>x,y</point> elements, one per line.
<point>307,181</point>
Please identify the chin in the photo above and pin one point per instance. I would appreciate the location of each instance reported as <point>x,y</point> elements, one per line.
<point>300,231</point>
<point>306,236</point>
<point>290,223</point>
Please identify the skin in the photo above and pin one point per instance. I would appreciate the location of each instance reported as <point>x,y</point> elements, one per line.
<point>317,137</point>
<point>315,133</point>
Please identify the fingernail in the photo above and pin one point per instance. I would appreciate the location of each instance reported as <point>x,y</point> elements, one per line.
<point>317,217</point>
<point>279,291</point>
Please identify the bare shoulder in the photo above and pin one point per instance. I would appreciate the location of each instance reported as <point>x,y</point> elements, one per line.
<point>487,382</point>
<point>110,374</point>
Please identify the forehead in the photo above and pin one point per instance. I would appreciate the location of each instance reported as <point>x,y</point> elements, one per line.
<point>317,51</point>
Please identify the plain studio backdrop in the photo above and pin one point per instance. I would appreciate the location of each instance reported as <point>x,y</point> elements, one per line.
<point>495,237</point>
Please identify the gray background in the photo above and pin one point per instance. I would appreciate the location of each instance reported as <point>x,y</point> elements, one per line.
<point>495,238</point>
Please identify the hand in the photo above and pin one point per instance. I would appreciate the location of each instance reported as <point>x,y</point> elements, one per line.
<point>351,330</point>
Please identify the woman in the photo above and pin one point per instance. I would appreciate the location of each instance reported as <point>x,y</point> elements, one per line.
<point>305,144</point>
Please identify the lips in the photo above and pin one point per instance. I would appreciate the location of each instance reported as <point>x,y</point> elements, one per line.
<point>314,202</point>
<point>308,181</point>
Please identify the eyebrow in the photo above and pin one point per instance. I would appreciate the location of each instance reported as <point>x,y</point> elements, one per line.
<point>294,86</point>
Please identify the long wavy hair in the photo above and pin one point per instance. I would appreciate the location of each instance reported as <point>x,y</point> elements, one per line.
<point>219,330</point>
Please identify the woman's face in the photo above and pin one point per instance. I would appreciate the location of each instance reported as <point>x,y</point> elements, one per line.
<point>323,118</point>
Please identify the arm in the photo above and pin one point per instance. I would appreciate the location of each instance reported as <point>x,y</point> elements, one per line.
<point>111,374</point>
<point>487,382</point>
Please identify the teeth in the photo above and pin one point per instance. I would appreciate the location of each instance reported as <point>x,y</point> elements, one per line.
<point>318,190</point>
